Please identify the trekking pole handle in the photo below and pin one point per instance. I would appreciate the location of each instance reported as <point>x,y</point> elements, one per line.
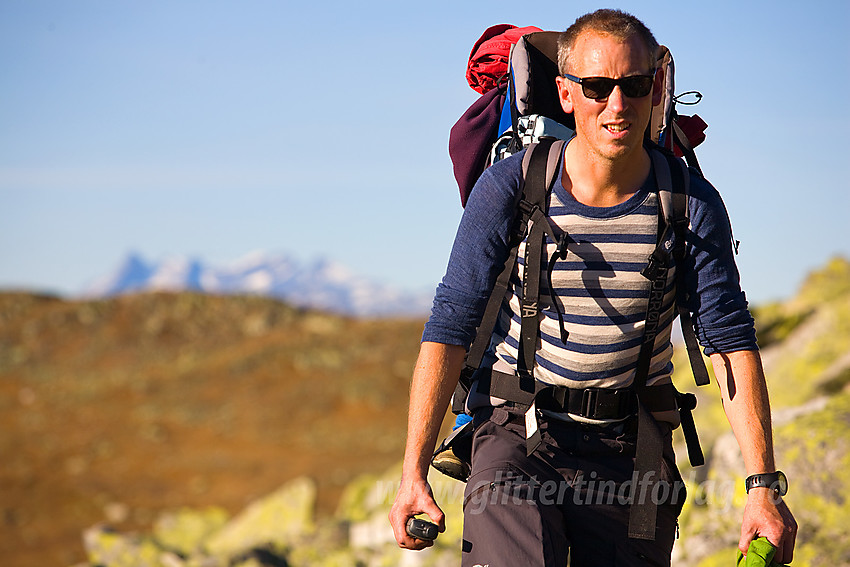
<point>422,529</point>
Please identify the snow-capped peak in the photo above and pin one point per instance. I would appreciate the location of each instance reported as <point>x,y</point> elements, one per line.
<point>320,284</point>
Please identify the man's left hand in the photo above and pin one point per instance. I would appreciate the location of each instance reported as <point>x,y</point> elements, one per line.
<point>767,515</point>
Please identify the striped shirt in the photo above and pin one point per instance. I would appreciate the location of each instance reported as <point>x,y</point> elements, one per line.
<point>599,286</point>
<point>602,294</point>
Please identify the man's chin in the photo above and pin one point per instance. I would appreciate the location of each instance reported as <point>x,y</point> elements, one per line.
<point>618,151</point>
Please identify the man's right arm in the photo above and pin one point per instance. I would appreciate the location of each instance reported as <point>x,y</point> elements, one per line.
<point>481,246</point>
<point>434,379</point>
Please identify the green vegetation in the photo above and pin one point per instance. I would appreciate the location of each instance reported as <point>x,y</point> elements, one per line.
<point>775,323</point>
<point>830,283</point>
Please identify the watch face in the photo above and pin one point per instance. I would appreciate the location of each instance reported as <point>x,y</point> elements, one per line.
<point>781,484</point>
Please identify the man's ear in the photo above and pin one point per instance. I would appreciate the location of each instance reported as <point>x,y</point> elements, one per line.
<point>658,87</point>
<point>564,94</point>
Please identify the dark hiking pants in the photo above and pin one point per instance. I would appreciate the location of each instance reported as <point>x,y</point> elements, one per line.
<point>568,500</point>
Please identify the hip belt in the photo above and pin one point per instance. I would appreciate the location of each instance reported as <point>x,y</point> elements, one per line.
<point>590,403</point>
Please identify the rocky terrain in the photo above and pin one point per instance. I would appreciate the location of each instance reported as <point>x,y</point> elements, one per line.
<point>806,352</point>
<point>188,430</point>
<point>116,410</point>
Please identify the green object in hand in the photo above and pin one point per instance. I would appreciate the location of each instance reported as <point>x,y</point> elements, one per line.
<point>759,554</point>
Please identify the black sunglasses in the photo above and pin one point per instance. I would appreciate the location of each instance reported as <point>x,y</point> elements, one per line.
<point>635,86</point>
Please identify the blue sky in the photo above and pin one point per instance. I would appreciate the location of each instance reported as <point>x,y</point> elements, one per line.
<point>214,129</point>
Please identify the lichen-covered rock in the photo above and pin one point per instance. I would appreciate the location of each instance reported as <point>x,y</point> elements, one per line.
<point>812,358</point>
<point>308,556</point>
<point>278,520</point>
<point>360,497</point>
<point>185,530</point>
<point>813,449</point>
<point>106,548</point>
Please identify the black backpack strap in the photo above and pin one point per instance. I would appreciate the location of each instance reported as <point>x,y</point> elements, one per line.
<point>542,171</point>
<point>539,173</point>
<point>673,193</point>
<point>673,182</point>
<point>484,332</point>
<point>674,205</point>
<point>491,313</point>
<point>650,445</point>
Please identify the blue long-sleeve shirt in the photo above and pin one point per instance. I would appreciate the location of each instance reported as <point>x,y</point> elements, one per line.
<point>598,287</point>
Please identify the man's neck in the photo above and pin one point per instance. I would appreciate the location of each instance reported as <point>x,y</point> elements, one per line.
<point>598,182</point>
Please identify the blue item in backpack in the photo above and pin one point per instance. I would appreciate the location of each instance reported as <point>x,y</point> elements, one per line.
<point>461,420</point>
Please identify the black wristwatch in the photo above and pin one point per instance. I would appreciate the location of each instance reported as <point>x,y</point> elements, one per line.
<point>775,480</point>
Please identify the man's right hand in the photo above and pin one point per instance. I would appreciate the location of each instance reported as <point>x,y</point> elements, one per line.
<point>414,498</point>
<point>434,379</point>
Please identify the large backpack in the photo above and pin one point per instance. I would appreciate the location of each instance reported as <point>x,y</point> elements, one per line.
<point>522,107</point>
<point>532,118</point>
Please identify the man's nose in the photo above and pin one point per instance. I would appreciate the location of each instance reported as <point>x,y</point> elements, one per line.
<point>616,100</point>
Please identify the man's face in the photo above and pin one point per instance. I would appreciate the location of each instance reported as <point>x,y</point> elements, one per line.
<point>610,128</point>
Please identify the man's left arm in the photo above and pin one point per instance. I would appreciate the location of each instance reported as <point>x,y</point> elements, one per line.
<point>743,390</point>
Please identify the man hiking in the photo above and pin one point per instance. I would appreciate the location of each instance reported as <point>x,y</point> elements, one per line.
<point>538,503</point>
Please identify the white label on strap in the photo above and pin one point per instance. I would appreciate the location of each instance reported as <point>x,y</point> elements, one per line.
<point>531,421</point>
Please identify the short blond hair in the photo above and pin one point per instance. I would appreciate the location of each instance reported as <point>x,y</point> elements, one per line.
<point>616,23</point>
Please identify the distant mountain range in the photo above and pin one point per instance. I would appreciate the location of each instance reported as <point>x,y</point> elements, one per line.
<point>319,284</point>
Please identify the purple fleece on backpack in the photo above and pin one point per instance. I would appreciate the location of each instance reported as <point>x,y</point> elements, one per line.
<point>471,138</point>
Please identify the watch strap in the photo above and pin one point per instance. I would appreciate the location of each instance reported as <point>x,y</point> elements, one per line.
<point>769,480</point>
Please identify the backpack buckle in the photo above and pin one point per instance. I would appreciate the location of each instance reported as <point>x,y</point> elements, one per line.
<point>654,266</point>
<point>525,209</point>
<point>603,403</point>
<point>561,250</point>
<point>588,402</point>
